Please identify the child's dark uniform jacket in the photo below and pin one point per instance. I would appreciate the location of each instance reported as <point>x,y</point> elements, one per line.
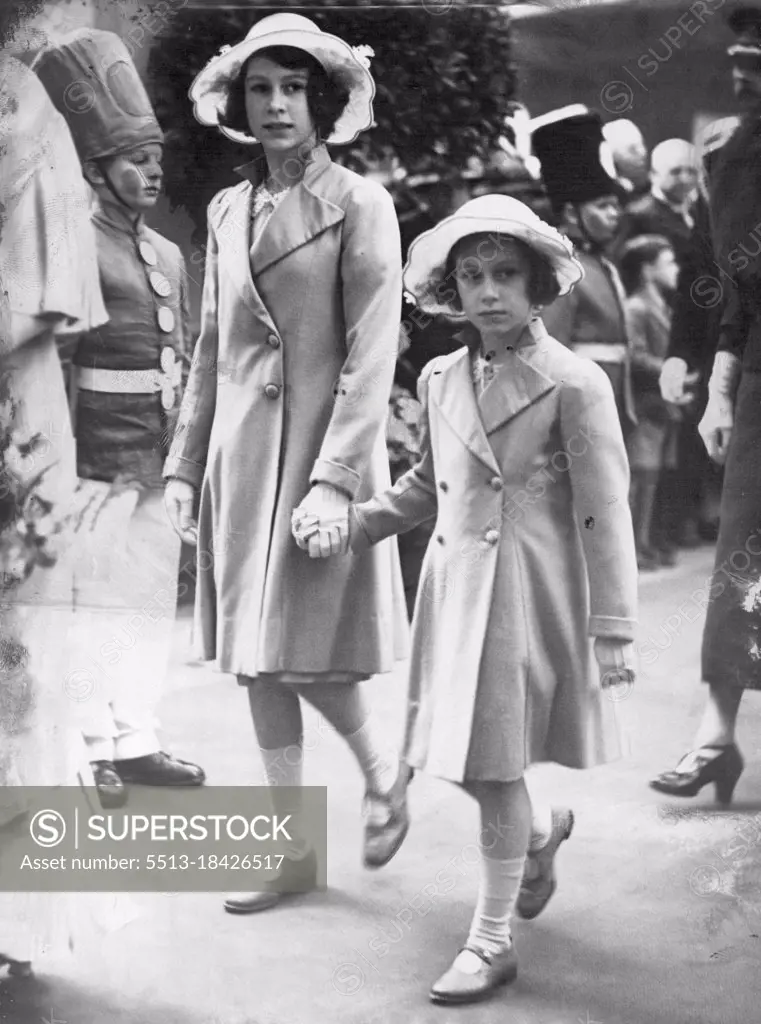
<point>122,434</point>
<point>532,556</point>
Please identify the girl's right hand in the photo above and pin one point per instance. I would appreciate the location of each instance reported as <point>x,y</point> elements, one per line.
<point>179,498</point>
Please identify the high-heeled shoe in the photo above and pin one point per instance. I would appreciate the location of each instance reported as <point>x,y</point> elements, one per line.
<point>16,968</point>
<point>723,768</point>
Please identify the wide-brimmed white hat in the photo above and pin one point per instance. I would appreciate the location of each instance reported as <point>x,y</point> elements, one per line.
<point>349,65</point>
<point>491,215</point>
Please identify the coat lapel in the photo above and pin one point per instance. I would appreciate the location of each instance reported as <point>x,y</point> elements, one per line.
<point>299,218</point>
<point>454,396</point>
<point>521,383</point>
<point>234,226</point>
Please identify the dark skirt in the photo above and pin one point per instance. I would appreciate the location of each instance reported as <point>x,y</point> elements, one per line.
<point>731,655</point>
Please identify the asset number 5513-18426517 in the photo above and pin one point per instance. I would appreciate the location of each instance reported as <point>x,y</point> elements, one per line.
<point>214,862</point>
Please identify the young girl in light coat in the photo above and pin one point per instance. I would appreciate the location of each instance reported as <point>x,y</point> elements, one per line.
<point>527,600</point>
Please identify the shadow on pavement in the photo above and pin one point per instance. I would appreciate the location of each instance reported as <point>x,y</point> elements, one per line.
<point>53,1000</point>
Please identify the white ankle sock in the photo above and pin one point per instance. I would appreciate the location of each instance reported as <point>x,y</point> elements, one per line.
<point>541,826</point>
<point>378,761</point>
<point>497,894</point>
<point>283,766</point>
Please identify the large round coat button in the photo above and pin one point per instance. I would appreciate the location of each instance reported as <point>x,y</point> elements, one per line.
<point>148,253</point>
<point>273,341</point>
<point>495,483</point>
<point>160,284</point>
<point>166,319</point>
<point>492,536</point>
<point>272,390</point>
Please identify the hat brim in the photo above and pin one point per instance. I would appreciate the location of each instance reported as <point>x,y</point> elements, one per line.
<point>424,273</point>
<point>210,88</point>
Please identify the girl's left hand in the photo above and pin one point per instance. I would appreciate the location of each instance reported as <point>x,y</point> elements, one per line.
<point>615,659</point>
<point>320,525</point>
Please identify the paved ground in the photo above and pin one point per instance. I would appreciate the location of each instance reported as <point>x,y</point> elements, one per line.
<point>656,921</point>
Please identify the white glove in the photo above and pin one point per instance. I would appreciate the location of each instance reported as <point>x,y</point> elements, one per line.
<point>179,498</point>
<point>718,420</point>
<point>675,380</point>
<point>615,659</point>
<point>320,525</point>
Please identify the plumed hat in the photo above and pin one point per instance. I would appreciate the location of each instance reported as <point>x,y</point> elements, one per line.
<point>577,163</point>
<point>90,77</point>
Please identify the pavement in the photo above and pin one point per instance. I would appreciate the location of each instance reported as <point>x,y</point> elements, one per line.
<point>657,918</point>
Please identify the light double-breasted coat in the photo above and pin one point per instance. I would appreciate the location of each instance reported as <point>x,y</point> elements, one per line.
<point>289,386</point>
<point>532,556</point>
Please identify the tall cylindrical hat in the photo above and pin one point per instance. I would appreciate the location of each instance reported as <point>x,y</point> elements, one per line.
<point>90,77</point>
<point>577,164</point>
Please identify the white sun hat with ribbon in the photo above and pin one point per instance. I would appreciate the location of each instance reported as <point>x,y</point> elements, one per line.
<point>491,215</point>
<point>348,64</point>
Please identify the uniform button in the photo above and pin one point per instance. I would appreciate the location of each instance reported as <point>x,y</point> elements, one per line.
<point>492,536</point>
<point>273,341</point>
<point>272,390</point>
<point>440,539</point>
<point>496,483</point>
<point>444,486</point>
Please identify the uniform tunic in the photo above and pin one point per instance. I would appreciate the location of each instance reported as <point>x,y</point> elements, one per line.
<point>592,322</point>
<point>532,555</point>
<point>129,434</point>
<point>306,323</point>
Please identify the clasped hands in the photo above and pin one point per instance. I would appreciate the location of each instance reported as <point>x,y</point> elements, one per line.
<point>320,525</point>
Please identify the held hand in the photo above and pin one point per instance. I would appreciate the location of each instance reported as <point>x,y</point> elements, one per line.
<point>615,659</point>
<point>716,427</point>
<point>320,525</point>
<point>179,497</point>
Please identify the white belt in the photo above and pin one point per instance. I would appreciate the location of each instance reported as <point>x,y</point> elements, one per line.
<point>131,382</point>
<point>602,353</point>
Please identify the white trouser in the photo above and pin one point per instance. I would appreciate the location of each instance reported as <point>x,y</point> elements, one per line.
<point>125,599</point>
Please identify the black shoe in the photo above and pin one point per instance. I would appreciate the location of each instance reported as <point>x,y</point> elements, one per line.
<point>160,769</point>
<point>108,782</point>
<point>724,768</point>
<point>17,968</point>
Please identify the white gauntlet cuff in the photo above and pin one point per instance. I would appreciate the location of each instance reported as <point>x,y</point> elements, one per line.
<point>725,376</point>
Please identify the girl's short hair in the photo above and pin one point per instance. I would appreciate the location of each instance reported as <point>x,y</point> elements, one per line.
<point>542,288</point>
<point>637,254</point>
<point>327,98</point>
